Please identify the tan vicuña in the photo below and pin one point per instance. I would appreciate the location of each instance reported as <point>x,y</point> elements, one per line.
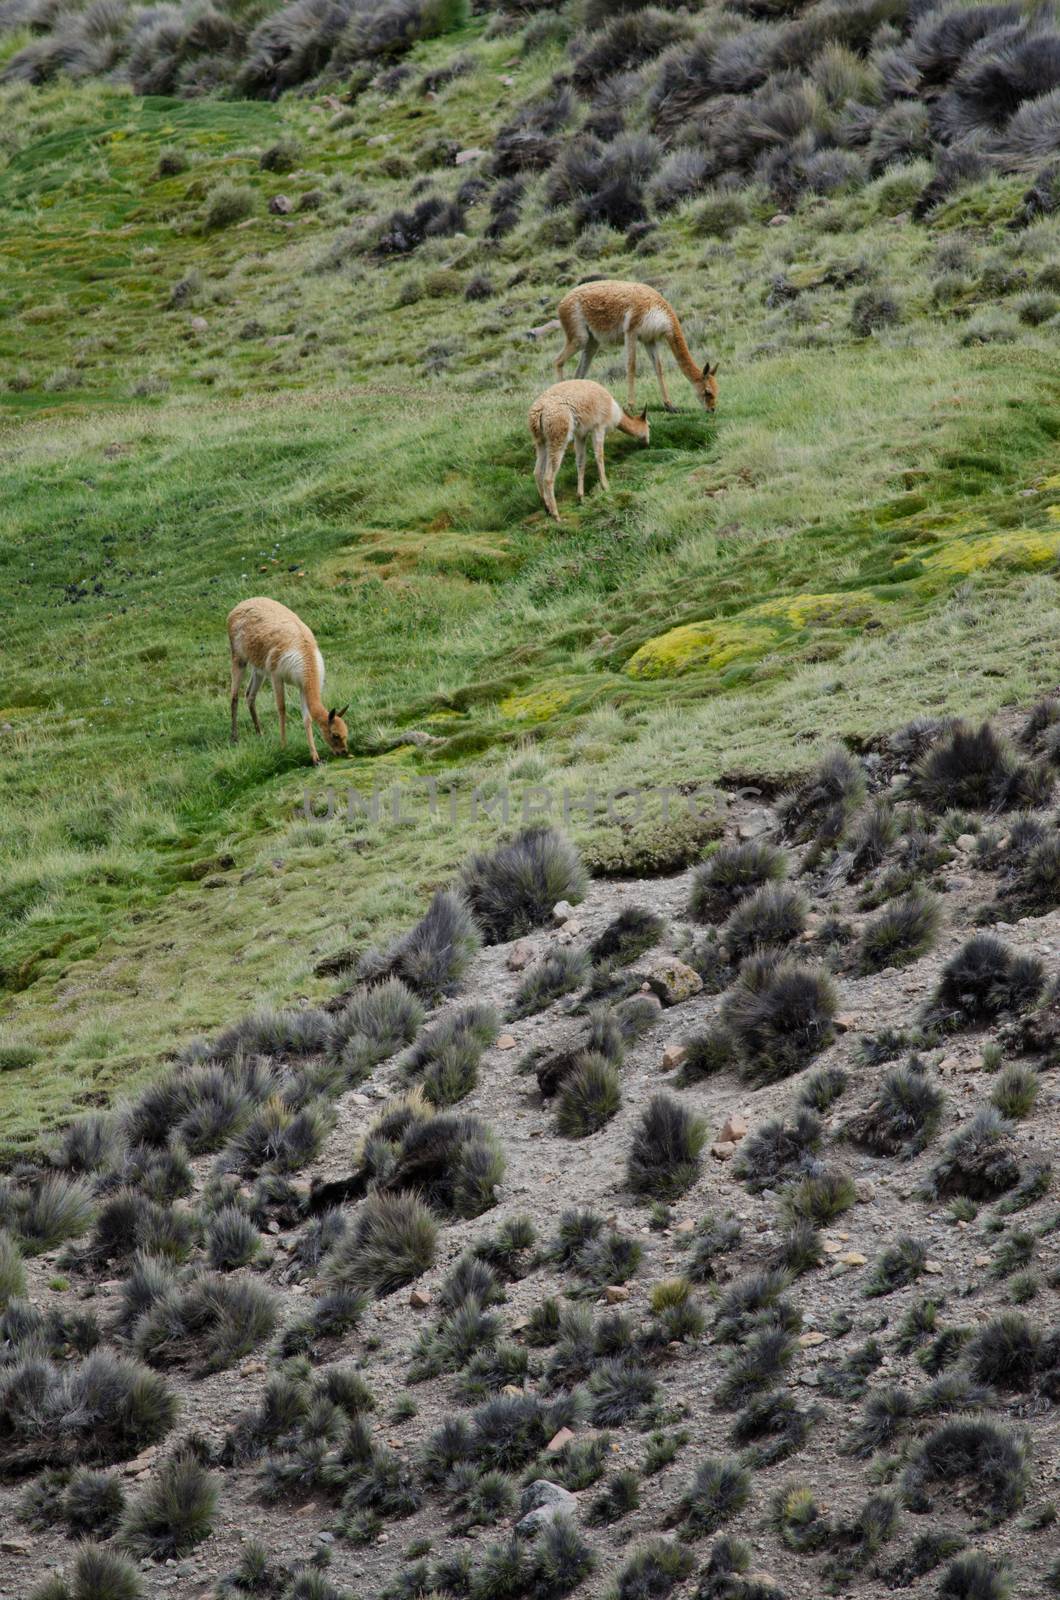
<point>574,411</point>
<point>273,642</point>
<point>612,312</point>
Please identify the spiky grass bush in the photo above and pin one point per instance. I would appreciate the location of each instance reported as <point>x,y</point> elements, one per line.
<point>453,1161</point>
<point>559,972</point>
<point>799,1520</point>
<point>1006,1352</point>
<point>174,1513</point>
<point>904,1117</point>
<point>820,1197</point>
<point>720,1488</point>
<point>874,833</point>
<point>708,1053</point>
<point>92,1504</point>
<point>89,1144</point>
<point>776,1148</point>
<point>509,1252</point>
<point>627,936</point>
<point>766,919</point>
<point>1015,1091</point>
<point>392,1242</point>
<point>104,1409</point>
<point>800,1249</point>
<point>619,1497</point>
<point>732,872</point>
<point>652,1571</point>
<point>209,1323</point>
<point>52,1210</point>
<point>769,1429</point>
<point>97,1574</point>
<point>974,1577</point>
<point>757,1365</point>
<point>664,1158</point>
<point>822,1089</point>
<point>378,1021</point>
<point>12,1271</point>
<point>620,1390</point>
<point>896,1266</point>
<point>978,1160</point>
<point>904,931</point>
<point>589,1098</point>
<point>445,1060</point>
<point>231,1240</point>
<point>713,1238</point>
<point>971,769</point>
<point>820,806</point>
<point>780,1013</point>
<point>434,956</point>
<point>292,1034</point>
<point>972,1461</point>
<point>512,889</point>
<point>984,979</point>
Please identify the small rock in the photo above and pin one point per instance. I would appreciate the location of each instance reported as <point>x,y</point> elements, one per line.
<point>865,1191</point>
<point>572,928</point>
<point>672,981</point>
<point>511,1389</point>
<point>280,205</point>
<point>558,1440</point>
<point>966,841</point>
<point>615,1293</point>
<point>420,1299</point>
<point>932,1267</point>
<point>852,1258</point>
<point>673,1056</point>
<point>844,1021</point>
<point>506,1041</point>
<point>808,1340</point>
<point>734,1130</point>
<point>198,325</point>
<point>543,1492</point>
<point>981,1261</point>
<point>520,955</point>
<point>12,1545</point>
<point>686,1225</point>
<point>752,826</point>
<point>562,911</point>
<point>724,1150</point>
<point>779,219</point>
<point>462,157</point>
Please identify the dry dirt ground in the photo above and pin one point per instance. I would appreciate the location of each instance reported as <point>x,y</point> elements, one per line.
<point>546,1174</point>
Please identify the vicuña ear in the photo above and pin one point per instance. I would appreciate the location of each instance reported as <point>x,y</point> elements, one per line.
<point>712,371</point>
<point>644,415</point>
<point>344,710</point>
<point>332,714</point>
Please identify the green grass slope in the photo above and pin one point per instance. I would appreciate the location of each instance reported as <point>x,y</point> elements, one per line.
<point>866,531</point>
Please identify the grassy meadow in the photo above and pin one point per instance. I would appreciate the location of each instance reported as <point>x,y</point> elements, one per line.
<point>193,412</point>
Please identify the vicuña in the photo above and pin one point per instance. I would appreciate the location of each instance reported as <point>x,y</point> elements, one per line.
<point>273,642</point>
<point>574,410</point>
<point>611,312</point>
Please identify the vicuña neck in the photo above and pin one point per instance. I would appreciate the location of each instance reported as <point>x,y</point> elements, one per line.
<point>683,355</point>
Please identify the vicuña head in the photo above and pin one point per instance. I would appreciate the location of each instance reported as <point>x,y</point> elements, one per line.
<point>276,643</point>
<point>707,387</point>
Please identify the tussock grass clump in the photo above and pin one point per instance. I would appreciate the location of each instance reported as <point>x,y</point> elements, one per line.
<point>619,1496</point>
<point>512,889</point>
<point>821,805</point>
<point>780,1013</point>
<point>88,1144</point>
<point>973,1461</point>
<point>432,957</point>
<point>664,1158</point>
<point>904,1117</point>
<point>766,919</point>
<point>896,1266</point>
<point>378,1021</point>
<point>620,1389</point>
<point>653,1571</point>
<point>770,1428</point>
<point>175,1512</point>
<point>453,1161</point>
<point>12,1271</point>
<point>983,980</point>
<point>559,972</point>
<point>509,1251</point>
<point>277,1139</point>
<point>209,1322</point>
<point>589,1097</point>
<point>1015,1091</point>
<point>755,1301</point>
<point>392,1241</point>
<point>820,1197</point>
<point>822,1089</point>
<point>49,1211</point>
<point>873,834</point>
<point>228,204</point>
<point>1006,1352</point>
<point>104,1409</point>
<point>289,1034</point>
<point>231,1240</point>
<point>708,1053</point>
<point>974,1577</point>
<point>445,1060</point>
<point>732,872</point>
<point>776,1148</point>
<point>714,1237</point>
<point>718,1491</point>
<point>978,1161</point>
<point>798,1519</point>
<point>627,936</point>
<point>971,769</point>
<point>800,1249</point>
<point>758,1365</point>
<point>903,932</point>
<point>97,1574</point>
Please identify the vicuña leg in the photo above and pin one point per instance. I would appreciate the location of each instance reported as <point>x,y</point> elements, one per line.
<point>579,456</point>
<point>631,369</point>
<point>598,452</point>
<point>281,707</point>
<point>237,679</point>
<point>252,695</point>
<point>657,363</point>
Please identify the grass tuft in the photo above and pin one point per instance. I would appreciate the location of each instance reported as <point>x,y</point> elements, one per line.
<point>391,1243</point>
<point>664,1158</point>
<point>512,889</point>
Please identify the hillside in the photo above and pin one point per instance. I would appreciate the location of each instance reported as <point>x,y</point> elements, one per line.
<point>268,281</point>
